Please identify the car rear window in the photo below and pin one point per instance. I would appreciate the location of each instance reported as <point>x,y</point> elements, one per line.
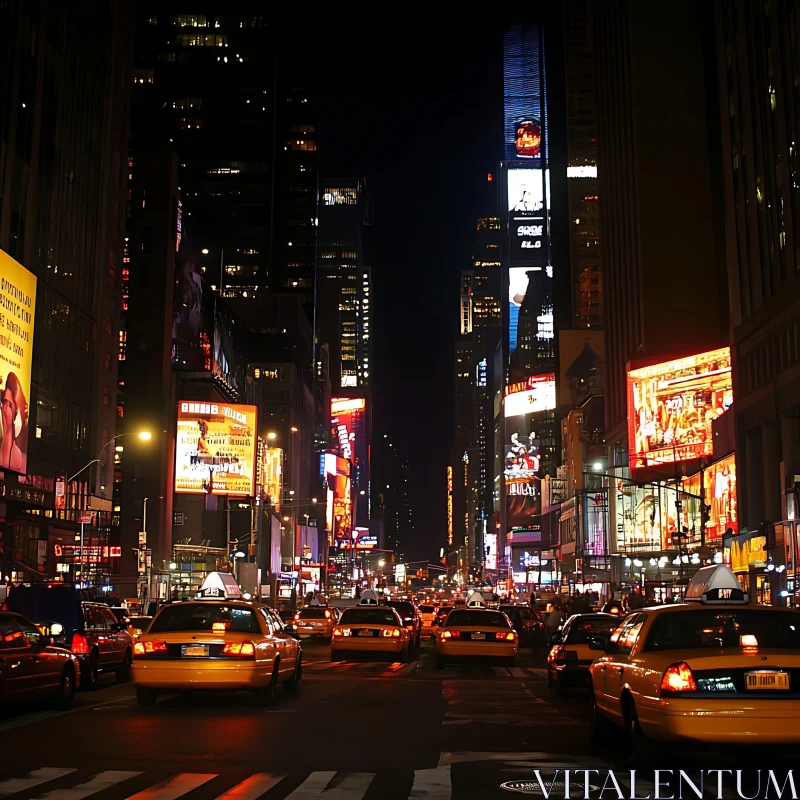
<point>140,622</point>
<point>426,609</point>
<point>484,619</point>
<point>366,616</point>
<point>581,630</point>
<point>200,617</point>
<point>313,613</point>
<point>714,628</point>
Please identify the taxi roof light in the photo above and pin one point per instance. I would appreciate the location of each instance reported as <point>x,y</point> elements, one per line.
<point>679,678</point>
<point>716,583</point>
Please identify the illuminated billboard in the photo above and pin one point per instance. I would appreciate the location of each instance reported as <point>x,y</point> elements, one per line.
<point>536,393</point>
<point>215,449</point>
<point>719,496</point>
<point>350,433</point>
<point>339,500</point>
<point>449,505</point>
<point>17,314</point>
<point>671,407</point>
<point>272,476</point>
<point>532,319</point>
<point>527,216</point>
<point>490,551</point>
<point>525,113</point>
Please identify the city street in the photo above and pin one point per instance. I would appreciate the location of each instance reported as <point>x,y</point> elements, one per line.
<point>373,730</point>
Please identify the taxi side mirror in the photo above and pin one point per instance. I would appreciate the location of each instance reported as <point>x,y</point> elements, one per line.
<point>599,643</point>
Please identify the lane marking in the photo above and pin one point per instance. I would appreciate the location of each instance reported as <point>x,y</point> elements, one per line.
<point>517,672</point>
<point>174,787</point>
<point>101,781</point>
<point>432,783</point>
<point>501,671</point>
<point>252,787</point>
<point>333,785</point>
<point>33,778</point>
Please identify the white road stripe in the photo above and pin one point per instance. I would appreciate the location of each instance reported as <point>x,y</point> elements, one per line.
<point>517,672</point>
<point>501,671</point>
<point>252,787</point>
<point>103,780</point>
<point>351,786</point>
<point>433,784</point>
<point>368,665</point>
<point>174,787</point>
<point>538,672</point>
<point>33,778</point>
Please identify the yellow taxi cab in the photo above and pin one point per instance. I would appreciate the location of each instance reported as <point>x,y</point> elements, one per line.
<point>570,656</point>
<point>216,642</point>
<point>428,613</point>
<point>476,633</point>
<point>315,621</point>
<point>713,669</point>
<point>370,630</point>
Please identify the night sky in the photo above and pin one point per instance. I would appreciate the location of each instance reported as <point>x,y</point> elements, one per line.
<point>419,115</point>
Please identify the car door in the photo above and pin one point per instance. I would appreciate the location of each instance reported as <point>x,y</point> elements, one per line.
<point>47,664</point>
<point>290,645</point>
<point>17,667</point>
<point>277,641</point>
<point>117,635</point>
<point>618,667</point>
<point>97,635</point>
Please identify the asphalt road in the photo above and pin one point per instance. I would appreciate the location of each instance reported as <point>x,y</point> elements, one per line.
<point>368,730</point>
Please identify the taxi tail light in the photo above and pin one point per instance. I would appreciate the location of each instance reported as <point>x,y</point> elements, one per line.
<point>239,650</point>
<point>328,615</point>
<point>147,648</point>
<point>451,635</point>
<point>341,631</point>
<point>394,633</point>
<point>678,678</point>
<point>559,655</point>
<point>80,647</point>
<point>509,637</point>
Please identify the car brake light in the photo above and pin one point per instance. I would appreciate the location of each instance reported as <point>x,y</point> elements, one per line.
<point>338,632</point>
<point>145,648</point>
<point>239,649</point>
<point>451,635</point>
<point>79,644</point>
<point>297,615</point>
<point>558,655</point>
<point>679,678</point>
<point>395,632</point>
<point>509,636</point>
<point>327,615</point>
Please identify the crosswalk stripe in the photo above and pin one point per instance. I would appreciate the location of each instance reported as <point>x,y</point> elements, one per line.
<point>397,666</point>
<point>501,671</point>
<point>351,786</point>
<point>367,665</point>
<point>174,787</point>
<point>101,781</point>
<point>33,778</point>
<point>517,672</point>
<point>432,784</point>
<point>252,787</point>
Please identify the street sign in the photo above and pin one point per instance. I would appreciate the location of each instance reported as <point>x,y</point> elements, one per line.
<point>85,517</point>
<point>177,517</point>
<point>142,537</point>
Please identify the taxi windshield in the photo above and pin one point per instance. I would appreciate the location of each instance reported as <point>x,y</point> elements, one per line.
<point>200,617</point>
<point>581,630</point>
<point>483,619</point>
<point>715,628</point>
<point>367,616</point>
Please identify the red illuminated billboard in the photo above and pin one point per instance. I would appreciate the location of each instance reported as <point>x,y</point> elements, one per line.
<point>672,405</point>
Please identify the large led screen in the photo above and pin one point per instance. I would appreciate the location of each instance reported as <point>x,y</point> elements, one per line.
<point>522,472</point>
<point>671,407</point>
<point>215,449</point>
<point>536,393</point>
<point>533,318</point>
<point>527,216</point>
<point>525,114</point>
<point>339,500</point>
<point>17,314</point>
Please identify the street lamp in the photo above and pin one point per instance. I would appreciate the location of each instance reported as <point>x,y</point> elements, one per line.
<point>145,436</point>
<point>272,436</point>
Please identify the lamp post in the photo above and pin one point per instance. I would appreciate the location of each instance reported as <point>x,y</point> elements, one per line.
<point>144,435</point>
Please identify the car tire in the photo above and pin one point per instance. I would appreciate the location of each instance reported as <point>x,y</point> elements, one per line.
<point>123,674</point>
<point>145,696</point>
<point>638,746</point>
<point>292,686</point>
<point>65,694</point>
<point>602,728</point>
<point>440,663</point>
<point>267,695</point>
<point>91,674</point>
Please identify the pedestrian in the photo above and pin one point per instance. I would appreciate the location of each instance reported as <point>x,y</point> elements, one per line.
<point>636,600</point>
<point>554,620</point>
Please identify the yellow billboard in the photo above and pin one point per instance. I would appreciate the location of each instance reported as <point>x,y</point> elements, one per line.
<point>17,312</point>
<point>215,448</point>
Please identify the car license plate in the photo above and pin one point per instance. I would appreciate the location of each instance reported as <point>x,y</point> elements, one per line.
<point>478,635</point>
<point>764,679</point>
<point>194,650</point>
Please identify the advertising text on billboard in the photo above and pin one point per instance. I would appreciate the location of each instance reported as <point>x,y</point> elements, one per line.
<point>215,449</point>
<point>272,476</point>
<point>536,393</point>
<point>17,314</point>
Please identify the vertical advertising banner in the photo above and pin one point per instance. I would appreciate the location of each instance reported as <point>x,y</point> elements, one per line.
<point>215,449</point>
<point>17,314</point>
<point>272,476</point>
<point>339,500</point>
<point>449,505</point>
